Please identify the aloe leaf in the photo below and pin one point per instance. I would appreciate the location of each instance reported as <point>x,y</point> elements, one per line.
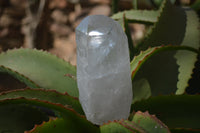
<point>18,76</point>
<point>115,128</point>
<point>162,77</point>
<point>18,118</point>
<point>150,123</point>
<point>176,111</point>
<point>124,23</point>
<point>135,4</point>
<point>73,119</point>
<point>138,60</point>
<point>121,126</point>
<point>141,16</point>
<point>169,29</point>
<point>141,90</point>
<point>141,123</point>
<point>58,125</point>
<point>186,60</point>
<point>44,95</point>
<point>44,69</point>
<point>150,78</point>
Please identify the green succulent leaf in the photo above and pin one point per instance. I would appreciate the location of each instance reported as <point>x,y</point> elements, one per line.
<point>148,78</point>
<point>169,29</point>
<point>141,123</point>
<point>176,111</point>
<point>18,118</point>
<point>141,90</point>
<point>75,122</point>
<point>121,127</point>
<point>186,60</point>
<point>59,125</point>
<point>141,16</point>
<point>124,23</point>
<point>150,123</point>
<point>138,60</point>
<point>44,69</point>
<point>18,76</point>
<point>45,95</point>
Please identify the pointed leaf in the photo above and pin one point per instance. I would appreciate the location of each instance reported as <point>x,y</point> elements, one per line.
<point>150,123</point>
<point>169,29</point>
<point>42,68</point>
<point>115,128</point>
<point>58,125</point>
<point>141,16</point>
<point>186,60</point>
<point>124,23</point>
<point>176,111</point>
<point>121,126</point>
<point>18,76</point>
<point>152,74</point>
<point>138,60</point>
<point>78,122</point>
<point>44,95</point>
<point>141,123</point>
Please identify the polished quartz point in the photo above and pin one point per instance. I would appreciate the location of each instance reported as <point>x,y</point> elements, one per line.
<point>103,69</point>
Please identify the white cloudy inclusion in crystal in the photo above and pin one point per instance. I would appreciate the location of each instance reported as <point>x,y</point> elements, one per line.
<point>103,69</point>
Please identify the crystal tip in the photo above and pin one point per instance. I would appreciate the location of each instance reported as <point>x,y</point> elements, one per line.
<point>95,25</point>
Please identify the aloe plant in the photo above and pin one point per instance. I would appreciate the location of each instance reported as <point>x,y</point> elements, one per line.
<point>162,66</point>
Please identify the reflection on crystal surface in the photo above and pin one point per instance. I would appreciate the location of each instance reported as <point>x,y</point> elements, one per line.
<point>95,33</point>
<point>103,69</point>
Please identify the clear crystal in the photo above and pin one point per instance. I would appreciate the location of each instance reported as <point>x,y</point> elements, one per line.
<point>103,69</point>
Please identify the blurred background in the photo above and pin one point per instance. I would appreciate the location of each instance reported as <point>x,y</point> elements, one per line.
<point>50,24</point>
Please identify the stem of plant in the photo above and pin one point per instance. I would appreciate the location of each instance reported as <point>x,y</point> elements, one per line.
<point>135,4</point>
<point>115,6</point>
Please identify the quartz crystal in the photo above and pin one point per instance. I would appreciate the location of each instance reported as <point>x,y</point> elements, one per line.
<point>103,69</point>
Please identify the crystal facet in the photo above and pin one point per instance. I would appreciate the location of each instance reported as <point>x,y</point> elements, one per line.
<point>103,69</point>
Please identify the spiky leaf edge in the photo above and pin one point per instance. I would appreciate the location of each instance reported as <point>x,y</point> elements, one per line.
<point>138,61</point>
<point>44,54</point>
<point>51,96</point>
<point>65,112</point>
<point>18,76</point>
